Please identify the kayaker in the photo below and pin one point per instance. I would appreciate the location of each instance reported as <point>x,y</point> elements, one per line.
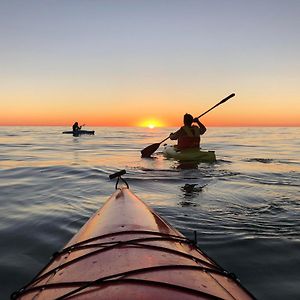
<point>188,136</point>
<point>76,127</point>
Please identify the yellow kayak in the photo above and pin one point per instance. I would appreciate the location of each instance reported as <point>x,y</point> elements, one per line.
<point>170,151</point>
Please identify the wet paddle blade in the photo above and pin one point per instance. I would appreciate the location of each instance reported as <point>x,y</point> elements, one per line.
<point>148,151</point>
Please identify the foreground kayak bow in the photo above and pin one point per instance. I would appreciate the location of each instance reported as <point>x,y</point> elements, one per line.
<point>126,251</point>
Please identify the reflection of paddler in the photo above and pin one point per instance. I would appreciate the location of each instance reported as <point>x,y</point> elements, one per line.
<point>190,188</point>
<point>75,127</point>
<point>188,136</point>
<point>187,165</point>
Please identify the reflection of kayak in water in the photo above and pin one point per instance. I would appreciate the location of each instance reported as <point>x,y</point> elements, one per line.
<point>171,151</point>
<point>80,132</point>
<point>127,251</point>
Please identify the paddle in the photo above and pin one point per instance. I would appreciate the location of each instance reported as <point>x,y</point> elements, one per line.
<point>149,150</point>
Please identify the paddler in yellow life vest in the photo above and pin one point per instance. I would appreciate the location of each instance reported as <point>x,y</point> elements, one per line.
<point>188,136</point>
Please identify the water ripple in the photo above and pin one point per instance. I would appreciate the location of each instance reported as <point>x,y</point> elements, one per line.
<point>245,207</point>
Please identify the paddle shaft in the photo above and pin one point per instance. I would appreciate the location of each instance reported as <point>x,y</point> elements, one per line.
<point>164,140</point>
<point>222,101</point>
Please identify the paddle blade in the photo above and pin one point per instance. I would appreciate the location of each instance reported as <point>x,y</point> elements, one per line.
<point>148,151</point>
<point>227,98</point>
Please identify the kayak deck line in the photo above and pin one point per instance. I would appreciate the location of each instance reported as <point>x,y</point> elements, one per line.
<point>119,278</point>
<point>133,242</point>
<point>155,235</point>
<point>104,282</point>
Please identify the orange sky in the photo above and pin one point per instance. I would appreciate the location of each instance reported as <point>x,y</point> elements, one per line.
<point>165,109</point>
<point>232,113</point>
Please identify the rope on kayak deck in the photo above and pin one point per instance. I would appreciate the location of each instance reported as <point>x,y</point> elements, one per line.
<point>119,244</point>
<point>137,242</point>
<point>119,279</point>
<point>125,232</point>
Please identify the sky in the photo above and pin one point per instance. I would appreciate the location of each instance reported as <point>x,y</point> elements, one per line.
<point>133,63</point>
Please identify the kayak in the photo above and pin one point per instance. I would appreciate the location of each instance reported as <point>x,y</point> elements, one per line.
<point>170,151</point>
<point>127,251</point>
<point>80,132</point>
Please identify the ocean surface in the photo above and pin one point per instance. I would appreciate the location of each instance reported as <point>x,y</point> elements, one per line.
<point>245,207</point>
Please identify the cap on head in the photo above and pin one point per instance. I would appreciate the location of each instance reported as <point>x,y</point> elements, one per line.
<point>188,119</point>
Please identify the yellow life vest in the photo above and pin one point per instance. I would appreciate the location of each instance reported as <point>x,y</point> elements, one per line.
<point>190,138</point>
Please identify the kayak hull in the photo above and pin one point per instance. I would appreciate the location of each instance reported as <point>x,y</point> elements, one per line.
<point>127,251</point>
<point>170,151</point>
<point>80,132</point>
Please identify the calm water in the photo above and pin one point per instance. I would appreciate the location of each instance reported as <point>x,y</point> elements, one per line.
<point>247,214</point>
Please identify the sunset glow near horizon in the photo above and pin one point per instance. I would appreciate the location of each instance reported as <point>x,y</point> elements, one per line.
<point>147,63</point>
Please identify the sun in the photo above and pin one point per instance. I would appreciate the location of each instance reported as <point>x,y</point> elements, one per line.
<point>151,123</point>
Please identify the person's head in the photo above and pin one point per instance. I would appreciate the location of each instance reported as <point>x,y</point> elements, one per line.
<point>76,123</point>
<point>188,119</point>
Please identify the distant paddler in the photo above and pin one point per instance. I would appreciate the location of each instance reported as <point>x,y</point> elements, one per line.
<point>149,150</point>
<point>188,136</point>
<point>76,127</point>
<point>188,145</point>
<point>76,130</point>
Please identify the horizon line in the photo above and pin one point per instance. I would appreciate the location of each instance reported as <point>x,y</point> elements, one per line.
<point>136,126</point>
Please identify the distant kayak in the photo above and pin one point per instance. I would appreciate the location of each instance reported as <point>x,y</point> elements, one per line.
<point>170,151</point>
<point>80,132</point>
<point>127,251</point>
